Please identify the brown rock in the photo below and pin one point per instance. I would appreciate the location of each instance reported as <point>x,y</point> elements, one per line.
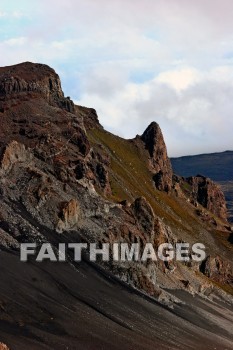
<point>144,215</point>
<point>3,347</point>
<point>159,162</point>
<point>14,152</point>
<point>30,77</point>
<point>35,114</point>
<point>209,195</point>
<point>95,168</point>
<point>217,269</point>
<point>90,117</point>
<point>69,216</point>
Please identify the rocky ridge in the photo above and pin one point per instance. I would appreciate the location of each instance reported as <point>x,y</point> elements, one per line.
<point>57,159</point>
<point>201,190</point>
<point>64,178</point>
<point>209,195</point>
<point>34,78</point>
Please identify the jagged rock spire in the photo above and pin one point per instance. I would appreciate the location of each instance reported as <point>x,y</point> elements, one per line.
<point>159,162</point>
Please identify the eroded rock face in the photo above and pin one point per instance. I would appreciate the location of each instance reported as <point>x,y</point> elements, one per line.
<point>217,269</point>
<point>200,190</point>
<point>144,215</point>
<point>61,186</point>
<point>30,77</point>
<point>159,162</point>
<point>69,216</point>
<point>35,114</point>
<point>141,226</point>
<point>14,152</point>
<point>209,195</point>
<point>94,168</point>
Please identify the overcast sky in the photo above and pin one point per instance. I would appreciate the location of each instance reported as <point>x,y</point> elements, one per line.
<point>135,61</point>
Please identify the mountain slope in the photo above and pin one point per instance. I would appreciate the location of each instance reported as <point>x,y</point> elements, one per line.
<point>82,308</point>
<point>63,179</point>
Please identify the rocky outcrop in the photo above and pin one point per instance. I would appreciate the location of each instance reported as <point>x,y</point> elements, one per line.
<point>144,215</point>
<point>94,168</point>
<point>37,78</point>
<point>217,269</point>
<point>63,187</point>
<point>159,162</point>
<point>13,152</point>
<point>200,190</point>
<point>205,192</point>
<point>54,135</point>
<point>90,117</point>
<point>69,216</point>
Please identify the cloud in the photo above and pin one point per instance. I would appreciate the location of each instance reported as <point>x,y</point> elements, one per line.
<point>194,119</point>
<point>179,79</point>
<point>135,61</point>
<point>15,41</point>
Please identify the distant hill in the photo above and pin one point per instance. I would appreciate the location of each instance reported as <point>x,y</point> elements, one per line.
<point>217,166</point>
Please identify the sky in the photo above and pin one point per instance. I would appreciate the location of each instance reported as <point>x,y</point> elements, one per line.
<point>135,61</point>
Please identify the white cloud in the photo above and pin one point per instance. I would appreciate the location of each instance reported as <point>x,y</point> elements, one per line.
<point>200,113</point>
<point>15,41</point>
<point>136,61</point>
<point>179,79</point>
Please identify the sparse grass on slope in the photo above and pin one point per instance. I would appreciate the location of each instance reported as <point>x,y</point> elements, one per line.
<point>131,178</point>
